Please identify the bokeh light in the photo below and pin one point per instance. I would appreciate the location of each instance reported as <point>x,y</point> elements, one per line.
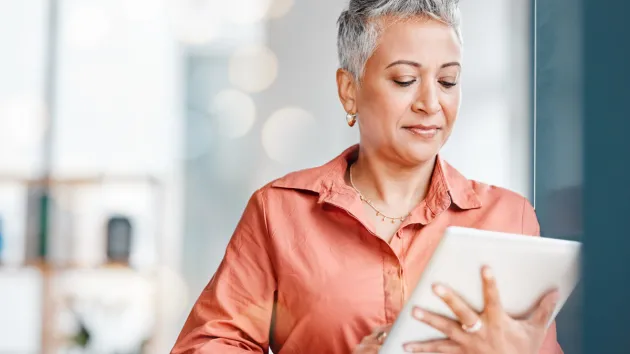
<point>253,68</point>
<point>193,22</point>
<point>279,8</point>
<point>242,11</point>
<point>287,133</point>
<point>234,111</point>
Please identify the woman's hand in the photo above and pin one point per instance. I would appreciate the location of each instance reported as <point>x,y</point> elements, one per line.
<point>490,332</point>
<point>372,343</point>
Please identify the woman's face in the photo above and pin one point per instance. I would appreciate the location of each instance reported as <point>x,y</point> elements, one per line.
<point>409,96</point>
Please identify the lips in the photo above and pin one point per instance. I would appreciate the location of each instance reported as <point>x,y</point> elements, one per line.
<point>424,131</point>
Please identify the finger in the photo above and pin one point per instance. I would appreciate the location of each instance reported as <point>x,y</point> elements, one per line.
<point>490,292</point>
<point>385,328</point>
<point>460,308</point>
<point>542,314</point>
<point>367,349</point>
<point>379,334</point>
<point>451,329</point>
<point>445,346</point>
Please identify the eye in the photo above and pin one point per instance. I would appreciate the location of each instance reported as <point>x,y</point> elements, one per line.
<point>404,83</point>
<point>447,84</point>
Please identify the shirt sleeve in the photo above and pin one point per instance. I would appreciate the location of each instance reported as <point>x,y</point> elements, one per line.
<point>233,313</point>
<point>532,227</point>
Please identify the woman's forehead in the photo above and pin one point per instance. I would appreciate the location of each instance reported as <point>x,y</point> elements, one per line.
<point>418,39</point>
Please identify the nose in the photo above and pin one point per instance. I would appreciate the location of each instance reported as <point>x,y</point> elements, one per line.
<point>427,101</point>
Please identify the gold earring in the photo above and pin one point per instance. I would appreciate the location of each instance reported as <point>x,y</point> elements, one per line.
<point>351,119</point>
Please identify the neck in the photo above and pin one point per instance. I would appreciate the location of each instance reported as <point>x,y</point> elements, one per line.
<point>390,184</point>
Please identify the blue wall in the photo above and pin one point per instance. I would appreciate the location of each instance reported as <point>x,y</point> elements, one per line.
<point>582,163</point>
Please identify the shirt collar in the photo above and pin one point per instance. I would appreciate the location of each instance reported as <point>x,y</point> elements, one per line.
<point>447,184</point>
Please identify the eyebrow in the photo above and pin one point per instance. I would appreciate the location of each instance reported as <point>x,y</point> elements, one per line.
<point>417,65</point>
<point>453,63</point>
<point>404,62</point>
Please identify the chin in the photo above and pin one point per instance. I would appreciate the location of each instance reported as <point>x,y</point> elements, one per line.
<point>416,154</point>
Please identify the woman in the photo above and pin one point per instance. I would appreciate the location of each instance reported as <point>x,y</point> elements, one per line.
<point>323,259</point>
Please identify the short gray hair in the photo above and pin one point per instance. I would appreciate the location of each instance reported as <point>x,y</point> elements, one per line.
<point>358,26</point>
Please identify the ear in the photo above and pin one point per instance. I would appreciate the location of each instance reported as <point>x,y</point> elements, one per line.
<point>347,88</point>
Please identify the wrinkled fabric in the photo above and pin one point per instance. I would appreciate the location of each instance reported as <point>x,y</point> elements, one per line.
<point>305,273</point>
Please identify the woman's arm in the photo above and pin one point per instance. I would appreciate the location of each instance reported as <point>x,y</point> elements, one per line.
<point>532,227</point>
<point>233,313</point>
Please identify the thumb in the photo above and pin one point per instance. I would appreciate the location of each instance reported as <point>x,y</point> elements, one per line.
<point>385,328</point>
<point>543,312</point>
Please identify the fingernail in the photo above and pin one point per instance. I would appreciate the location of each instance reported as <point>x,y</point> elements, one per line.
<point>418,314</point>
<point>439,290</point>
<point>555,297</point>
<point>487,273</point>
<point>408,348</point>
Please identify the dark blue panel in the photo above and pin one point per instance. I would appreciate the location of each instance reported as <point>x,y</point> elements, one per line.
<point>607,176</point>
<point>558,139</point>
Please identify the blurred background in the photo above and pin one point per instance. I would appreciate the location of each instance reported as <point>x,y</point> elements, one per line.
<point>132,133</point>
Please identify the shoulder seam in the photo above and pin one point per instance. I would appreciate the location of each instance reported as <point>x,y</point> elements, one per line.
<point>261,201</point>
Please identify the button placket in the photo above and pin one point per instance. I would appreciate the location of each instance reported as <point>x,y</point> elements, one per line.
<point>394,287</point>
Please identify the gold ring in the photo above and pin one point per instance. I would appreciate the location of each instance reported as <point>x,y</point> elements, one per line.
<point>380,337</point>
<point>474,328</point>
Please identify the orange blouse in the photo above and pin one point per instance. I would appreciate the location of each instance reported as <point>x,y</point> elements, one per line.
<point>305,273</point>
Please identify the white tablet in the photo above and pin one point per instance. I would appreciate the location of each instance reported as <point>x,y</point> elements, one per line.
<point>525,268</point>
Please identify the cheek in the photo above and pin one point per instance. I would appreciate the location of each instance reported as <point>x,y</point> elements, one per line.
<point>450,107</point>
<point>384,104</point>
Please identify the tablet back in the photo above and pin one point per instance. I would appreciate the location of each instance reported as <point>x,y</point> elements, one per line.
<point>525,268</point>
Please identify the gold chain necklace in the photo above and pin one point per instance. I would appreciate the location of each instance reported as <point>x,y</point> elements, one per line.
<point>369,203</point>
